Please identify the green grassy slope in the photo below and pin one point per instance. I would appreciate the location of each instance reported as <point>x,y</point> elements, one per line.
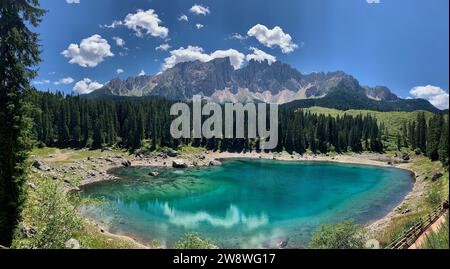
<point>392,120</point>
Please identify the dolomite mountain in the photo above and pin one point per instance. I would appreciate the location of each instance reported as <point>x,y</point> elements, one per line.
<point>279,83</point>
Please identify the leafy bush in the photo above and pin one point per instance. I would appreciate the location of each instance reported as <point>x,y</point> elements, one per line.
<point>344,235</point>
<point>52,217</point>
<point>434,199</point>
<point>193,241</point>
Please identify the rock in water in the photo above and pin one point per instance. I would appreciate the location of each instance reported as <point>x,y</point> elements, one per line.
<point>282,244</point>
<point>41,166</point>
<point>153,174</point>
<point>179,164</point>
<point>215,163</point>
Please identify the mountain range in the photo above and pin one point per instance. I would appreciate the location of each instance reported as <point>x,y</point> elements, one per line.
<point>278,82</point>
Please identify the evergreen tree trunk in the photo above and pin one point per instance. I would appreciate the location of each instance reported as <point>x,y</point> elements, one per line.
<point>443,145</point>
<point>19,52</point>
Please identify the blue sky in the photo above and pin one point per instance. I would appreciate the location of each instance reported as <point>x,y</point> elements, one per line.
<point>402,44</point>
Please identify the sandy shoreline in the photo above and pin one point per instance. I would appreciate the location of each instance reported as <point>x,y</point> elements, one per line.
<point>102,165</point>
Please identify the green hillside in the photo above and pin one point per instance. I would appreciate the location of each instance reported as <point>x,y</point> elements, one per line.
<point>393,121</point>
<point>350,95</point>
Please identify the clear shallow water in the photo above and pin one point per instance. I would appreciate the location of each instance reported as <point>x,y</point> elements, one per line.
<point>246,203</point>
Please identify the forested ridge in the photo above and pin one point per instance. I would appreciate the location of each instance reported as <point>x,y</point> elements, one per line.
<point>74,121</point>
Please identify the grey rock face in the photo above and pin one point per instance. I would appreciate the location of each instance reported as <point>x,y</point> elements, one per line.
<point>381,93</point>
<point>257,81</point>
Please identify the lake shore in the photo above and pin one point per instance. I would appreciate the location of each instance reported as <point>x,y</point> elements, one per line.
<point>96,170</point>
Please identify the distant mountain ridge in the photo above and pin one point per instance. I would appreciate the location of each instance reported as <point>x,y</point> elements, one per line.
<point>279,83</point>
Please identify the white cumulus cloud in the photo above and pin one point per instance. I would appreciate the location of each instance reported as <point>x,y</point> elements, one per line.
<point>65,81</point>
<point>183,18</point>
<point>113,25</point>
<point>163,47</point>
<point>86,86</point>
<point>194,53</point>
<point>90,52</point>
<point>199,10</point>
<point>236,58</point>
<point>119,71</point>
<point>119,41</point>
<point>191,53</point>
<point>437,96</point>
<point>237,36</point>
<point>142,73</point>
<point>72,1</point>
<point>373,1</point>
<point>199,26</point>
<point>41,82</point>
<point>260,56</point>
<point>273,37</point>
<point>146,23</point>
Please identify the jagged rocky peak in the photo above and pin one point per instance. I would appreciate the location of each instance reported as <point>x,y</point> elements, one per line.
<point>257,81</point>
<point>190,78</point>
<point>381,93</point>
<point>132,86</point>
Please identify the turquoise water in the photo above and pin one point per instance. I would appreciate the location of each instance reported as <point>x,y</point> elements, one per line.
<point>245,203</point>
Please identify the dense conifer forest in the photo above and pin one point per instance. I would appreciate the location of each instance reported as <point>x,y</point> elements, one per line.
<point>134,123</point>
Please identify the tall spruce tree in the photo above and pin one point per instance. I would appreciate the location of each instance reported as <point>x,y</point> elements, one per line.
<point>19,54</point>
<point>434,136</point>
<point>443,145</point>
<point>421,132</point>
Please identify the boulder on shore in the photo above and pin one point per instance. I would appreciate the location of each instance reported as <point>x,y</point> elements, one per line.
<point>172,153</point>
<point>179,164</point>
<point>41,166</point>
<point>406,157</point>
<point>437,176</point>
<point>28,232</point>
<point>126,163</point>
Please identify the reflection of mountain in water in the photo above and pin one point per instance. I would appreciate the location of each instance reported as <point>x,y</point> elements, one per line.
<point>233,217</point>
